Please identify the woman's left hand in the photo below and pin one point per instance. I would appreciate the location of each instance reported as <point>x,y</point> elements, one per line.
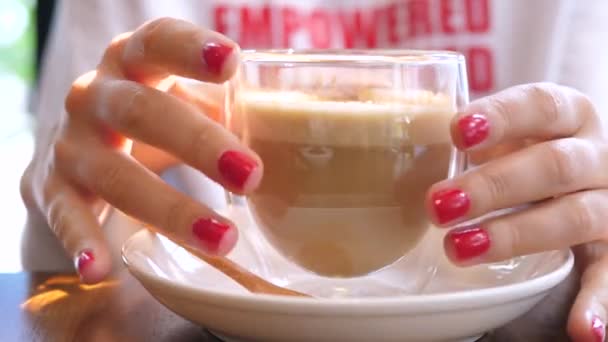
<point>541,147</point>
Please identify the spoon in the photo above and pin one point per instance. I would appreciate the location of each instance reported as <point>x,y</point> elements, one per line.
<point>234,271</point>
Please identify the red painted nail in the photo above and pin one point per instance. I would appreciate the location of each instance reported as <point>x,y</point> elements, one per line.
<point>236,167</point>
<point>468,243</point>
<point>84,259</point>
<point>210,233</point>
<point>474,129</point>
<point>214,55</point>
<point>450,204</point>
<point>598,328</point>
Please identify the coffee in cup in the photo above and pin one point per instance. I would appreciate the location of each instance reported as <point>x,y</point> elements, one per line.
<point>345,172</point>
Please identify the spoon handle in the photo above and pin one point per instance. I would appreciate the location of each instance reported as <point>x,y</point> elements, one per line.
<point>248,280</point>
<point>234,271</point>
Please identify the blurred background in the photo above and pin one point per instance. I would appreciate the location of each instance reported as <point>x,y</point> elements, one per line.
<point>18,65</point>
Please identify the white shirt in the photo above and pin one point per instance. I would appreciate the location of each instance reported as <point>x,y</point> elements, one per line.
<point>506,42</point>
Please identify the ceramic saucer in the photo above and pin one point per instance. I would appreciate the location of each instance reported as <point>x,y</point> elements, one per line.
<point>456,305</point>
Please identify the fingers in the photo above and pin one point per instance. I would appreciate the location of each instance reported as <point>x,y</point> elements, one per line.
<point>168,46</point>
<point>71,219</point>
<point>587,321</point>
<point>154,159</point>
<point>136,191</point>
<point>111,104</point>
<point>535,173</point>
<point>206,97</point>
<point>542,111</point>
<point>557,224</point>
<point>527,113</point>
<point>157,118</point>
<point>168,123</point>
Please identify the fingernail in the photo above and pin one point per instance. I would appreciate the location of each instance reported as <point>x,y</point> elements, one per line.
<point>210,233</point>
<point>214,55</point>
<point>450,204</point>
<point>84,259</point>
<point>474,129</point>
<point>598,328</point>
<point>236,167</point>
<point>468,243</point>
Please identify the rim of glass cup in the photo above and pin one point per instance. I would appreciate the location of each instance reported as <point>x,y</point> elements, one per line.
<point>351,56</point>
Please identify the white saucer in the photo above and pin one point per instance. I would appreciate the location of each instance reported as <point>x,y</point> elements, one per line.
<point>458,305</point>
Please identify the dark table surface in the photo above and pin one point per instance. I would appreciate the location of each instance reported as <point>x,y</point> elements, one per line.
<point>56,307</point>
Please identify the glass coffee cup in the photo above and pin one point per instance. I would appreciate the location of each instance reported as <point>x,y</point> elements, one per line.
<point>350,142</point>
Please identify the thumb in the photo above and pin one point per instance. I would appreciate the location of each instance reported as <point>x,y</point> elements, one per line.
<point>72,220</point>
<point>587,321</point>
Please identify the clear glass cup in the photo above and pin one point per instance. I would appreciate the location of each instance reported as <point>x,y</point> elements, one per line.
<point>350,141</point>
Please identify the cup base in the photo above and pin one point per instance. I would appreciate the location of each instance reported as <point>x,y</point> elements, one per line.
<point>336,288</point>
<point>226,338</point>
<point>409,275</point>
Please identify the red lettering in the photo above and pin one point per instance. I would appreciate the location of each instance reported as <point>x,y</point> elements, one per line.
<point>446,12</point>
<point>359,26</point>
<point>419,17</point>
<point>219,19</point>
<point>477,15</point>
<point>291,24</point>
<point>391,12</point>
<point>319,26</point>
<point>256,30</point>
<point>480,65</point>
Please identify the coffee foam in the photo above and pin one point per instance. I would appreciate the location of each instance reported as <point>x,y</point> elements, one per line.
<point>375,118</point>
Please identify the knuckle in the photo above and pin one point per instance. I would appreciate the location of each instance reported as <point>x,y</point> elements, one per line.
<point>497,186</point>
<point>62,151</point>
<point>112,183</point>
<point>564,156</point>
<point>58,218</point>
<point>579,99</point>
<point>150,31</point>
<point>133,47</point>
<point>114,50</point>
<point>585,109</point>
<point>549,98</point>
<point>73,101</point>
<point>159,22</point>
<point>62,220</point>
<point>582,218</point>
<point>79,94</point>
<point>118,41</point>
<point>503,109</point>
<point>26,187</point>
<point>126,106</point>
<point>584,102</point>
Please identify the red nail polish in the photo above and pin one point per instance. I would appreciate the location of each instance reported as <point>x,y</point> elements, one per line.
<point>468,243</point>
<point>84,259</point>
<point>598,328</point>
<point>214,55</point>
<point>450,204</point>
<point>236,167</point>
<point>210,233</point>
<point>474,129</point>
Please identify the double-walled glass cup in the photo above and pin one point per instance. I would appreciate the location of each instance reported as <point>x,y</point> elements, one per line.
<point>350,143</point>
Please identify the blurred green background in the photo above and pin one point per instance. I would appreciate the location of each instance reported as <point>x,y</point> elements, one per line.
<point>17,39</point>
<point>17,80</point>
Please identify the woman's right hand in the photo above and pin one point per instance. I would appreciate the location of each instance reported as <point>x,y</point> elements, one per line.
<point>84,164</point>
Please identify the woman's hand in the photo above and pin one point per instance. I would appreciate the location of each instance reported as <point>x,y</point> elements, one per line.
<point>540,147</point>
<point>84,163</point>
